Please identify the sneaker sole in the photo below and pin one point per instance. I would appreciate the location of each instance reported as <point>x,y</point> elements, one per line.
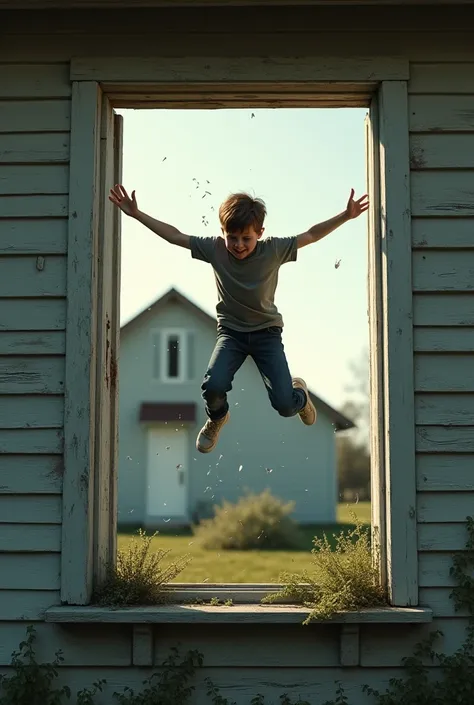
<point>299,383</point>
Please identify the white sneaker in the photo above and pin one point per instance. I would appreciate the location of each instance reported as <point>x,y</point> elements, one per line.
<point>209,434</point>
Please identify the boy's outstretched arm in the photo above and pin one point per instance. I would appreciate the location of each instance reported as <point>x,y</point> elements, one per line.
<point>317,232</point>
<point>128,205</point>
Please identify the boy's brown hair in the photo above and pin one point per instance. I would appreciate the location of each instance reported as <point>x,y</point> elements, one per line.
<point>240,211</point>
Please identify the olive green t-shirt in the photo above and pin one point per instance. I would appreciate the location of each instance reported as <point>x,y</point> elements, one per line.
<point>246,288</point>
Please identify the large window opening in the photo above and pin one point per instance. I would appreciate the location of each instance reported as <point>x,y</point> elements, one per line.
<point>219,508</point>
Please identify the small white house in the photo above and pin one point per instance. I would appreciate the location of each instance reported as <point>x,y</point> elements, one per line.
<point>164,352</point>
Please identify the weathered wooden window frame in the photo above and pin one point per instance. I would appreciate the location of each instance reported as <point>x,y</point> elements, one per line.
<point>98,85</point>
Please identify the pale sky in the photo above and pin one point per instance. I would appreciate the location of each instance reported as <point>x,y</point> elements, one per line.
<point>303,163</point>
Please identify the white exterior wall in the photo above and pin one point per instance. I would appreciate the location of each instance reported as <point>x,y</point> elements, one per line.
<point>34,139</point>
<point>34,154</point>
<point>442,176</point>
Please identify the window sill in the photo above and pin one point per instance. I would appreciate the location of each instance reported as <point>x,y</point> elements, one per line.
<point>237,614</point>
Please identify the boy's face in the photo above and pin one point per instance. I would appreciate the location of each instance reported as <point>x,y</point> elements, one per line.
<point>242,244</point>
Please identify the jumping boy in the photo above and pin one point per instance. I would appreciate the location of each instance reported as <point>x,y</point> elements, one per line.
<point>246,272</point>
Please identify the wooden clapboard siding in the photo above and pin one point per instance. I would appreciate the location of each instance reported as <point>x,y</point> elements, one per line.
<point>45,206</point>
<point>82,646</point>
<point>31,441</point>
<point>30,571</point>
<point>326,31</point>
<point>444,372</point>
<point>445,151</point>
<point>24,605</point>
<point>29,276</point>
<point>444,409</point>
<point>437,339</point>
<point>442,537</point>
<point>441,108</point>
<point>240,684</point>
<point>31,411</point>
<point>442,233</point>
<point>33,538</point>
<point>30,509</point>
<point>25,81</point>
<point>30,474</point>
<point>453,311</point>
<point>443,193</point>
<point>311,42</point>
<point>378,650</point>
<point>441,113</point>
<point>43,148</point>
<point>33,315</point>
<point>439,600</point>
<point>315,648</point>
<point>34,185</point>
<point>38,179</point>
<point>444,472</point>
<point>31,375</point>
<point>452,506</point>
<point>443,270</point>
<point>36,343</point>
<point>34,143</point>
<point>25,116</point>
<point>34,237</point>
<point>444,439</point>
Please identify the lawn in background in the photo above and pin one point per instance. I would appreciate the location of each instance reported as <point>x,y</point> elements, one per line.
<point>249,566</point>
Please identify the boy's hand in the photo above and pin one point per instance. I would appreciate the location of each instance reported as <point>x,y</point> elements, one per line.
<point>120,198</point>
<point>356,208</point>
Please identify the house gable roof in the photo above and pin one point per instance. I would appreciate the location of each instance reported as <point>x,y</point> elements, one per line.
<point>341,422</point>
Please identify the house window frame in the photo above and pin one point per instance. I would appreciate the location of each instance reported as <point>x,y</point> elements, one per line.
<point>165,334</point>
<point>98,85</point>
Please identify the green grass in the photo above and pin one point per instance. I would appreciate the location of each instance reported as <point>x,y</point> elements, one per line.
<point>361,510</point>
<point>250,566</point>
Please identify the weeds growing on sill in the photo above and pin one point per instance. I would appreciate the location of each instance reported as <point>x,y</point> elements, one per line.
<point>344,578</point>
<point>140,576</point>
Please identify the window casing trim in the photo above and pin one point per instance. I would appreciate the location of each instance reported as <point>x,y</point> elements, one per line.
<point>398,553</point>
<point>234,614</point>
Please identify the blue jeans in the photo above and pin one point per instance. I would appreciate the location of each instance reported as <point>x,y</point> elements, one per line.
<point>266,348</point>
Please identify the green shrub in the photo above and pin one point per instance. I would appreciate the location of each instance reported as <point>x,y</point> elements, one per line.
<point>344,578</point>
<point>170,686</point>
<point>32,683</point>
<point>255,522</point>
<point>139,578</point>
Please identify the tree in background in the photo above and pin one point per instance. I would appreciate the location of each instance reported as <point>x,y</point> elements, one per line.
<point>353,446</point>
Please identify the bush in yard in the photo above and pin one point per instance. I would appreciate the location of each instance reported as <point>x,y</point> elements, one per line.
<point>255,522</point>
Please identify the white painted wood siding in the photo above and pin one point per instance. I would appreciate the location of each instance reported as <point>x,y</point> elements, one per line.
<point>441,111</point>
<point>34,125</point>
<point>34,153</point>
